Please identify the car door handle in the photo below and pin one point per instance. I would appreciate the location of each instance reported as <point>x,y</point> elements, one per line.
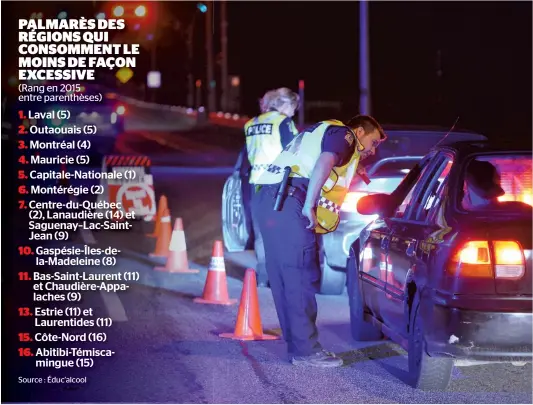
<point>411,248</point>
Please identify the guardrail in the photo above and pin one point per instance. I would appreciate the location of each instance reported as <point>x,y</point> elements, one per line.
<point>215,118</point>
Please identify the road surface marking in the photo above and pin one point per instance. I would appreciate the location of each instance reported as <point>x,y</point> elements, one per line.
<point>114,306</point>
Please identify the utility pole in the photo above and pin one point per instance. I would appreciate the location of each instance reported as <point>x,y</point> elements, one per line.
<point>364,62</point>
<point>153,64</point>
<point>209,21</point>
<point>224,49</point>
<point>190,78</point>
<point>301,109</point>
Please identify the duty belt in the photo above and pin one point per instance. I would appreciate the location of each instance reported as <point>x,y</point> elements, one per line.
<point>300,195</point>
<point>297,193</point>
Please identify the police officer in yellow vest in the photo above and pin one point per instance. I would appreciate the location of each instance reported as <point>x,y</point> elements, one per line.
<point>322,161</point>
<point>266,136</point>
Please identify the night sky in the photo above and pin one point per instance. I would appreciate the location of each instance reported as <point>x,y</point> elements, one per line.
<point>485,60</point>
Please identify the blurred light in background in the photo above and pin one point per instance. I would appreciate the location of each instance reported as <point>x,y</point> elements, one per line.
<point>118,11</point>
<point>62,15</point>
<point>137,26</point>
<point>198,83</point>
<point>100,16</point>
<point>140,11</point>
<point>121,110</point>
<point>149,37</point>
<point>202,7</point>
<point>235,81</point>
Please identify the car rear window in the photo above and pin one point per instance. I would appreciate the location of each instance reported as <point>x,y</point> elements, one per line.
<point>378,185</point>
<point>394,168</point>
<point>384,176</point>
<point>509,189</point>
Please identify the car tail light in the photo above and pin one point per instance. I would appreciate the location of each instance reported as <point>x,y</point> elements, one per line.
<point>475,259</point>
<point>121,110</point>
<point>509,259</point>
<point>350,202</point>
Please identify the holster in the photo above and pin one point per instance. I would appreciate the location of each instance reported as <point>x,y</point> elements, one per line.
<point>296,193</point>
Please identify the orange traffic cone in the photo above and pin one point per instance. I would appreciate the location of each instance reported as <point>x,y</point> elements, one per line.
<point>163,205</point>
<point>248,326</point>
<point>163,238</point>
<point>216,285</point>
<point>177,261</point>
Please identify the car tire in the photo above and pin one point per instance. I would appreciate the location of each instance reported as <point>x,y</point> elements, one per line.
<point>362,331</point>
<point>332,282</point>
<point>427,373</point>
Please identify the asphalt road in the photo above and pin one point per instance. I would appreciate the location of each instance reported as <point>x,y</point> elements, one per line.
<point>167,348</point>
<point>168,351</point>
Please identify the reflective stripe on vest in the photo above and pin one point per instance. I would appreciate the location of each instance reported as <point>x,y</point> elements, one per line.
<point>263,141</point>
<point>301,155</point>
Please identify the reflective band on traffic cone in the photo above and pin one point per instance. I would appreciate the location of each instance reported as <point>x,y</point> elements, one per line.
<point>177,261</point>
<point>248,326</point>
<point>163,205</point>
<point>163,239</point>
<point>216,285</point>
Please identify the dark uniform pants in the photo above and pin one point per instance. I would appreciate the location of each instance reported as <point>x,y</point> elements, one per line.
<point>262,276</point>
<point>247,206</point>
<point>293,268</point>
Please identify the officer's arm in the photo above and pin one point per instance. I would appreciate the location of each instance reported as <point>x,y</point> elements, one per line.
<point>326,161</point>
<point>287,132</point>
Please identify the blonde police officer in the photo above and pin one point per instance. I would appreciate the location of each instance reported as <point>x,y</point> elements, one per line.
<point>323,160</point>
<point>266,136</point>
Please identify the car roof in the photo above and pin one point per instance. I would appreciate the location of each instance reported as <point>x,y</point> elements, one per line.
<point>430,129</point>
<point>395,159</point>
<point>464,148</point>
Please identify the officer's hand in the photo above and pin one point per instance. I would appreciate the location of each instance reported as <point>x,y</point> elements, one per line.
<point>309,213</point>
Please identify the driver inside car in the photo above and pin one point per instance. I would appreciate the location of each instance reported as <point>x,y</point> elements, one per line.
<point>482,188</point>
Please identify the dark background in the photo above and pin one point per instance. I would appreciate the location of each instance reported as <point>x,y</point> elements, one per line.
<point>485,74</point>
<point>485,56</point>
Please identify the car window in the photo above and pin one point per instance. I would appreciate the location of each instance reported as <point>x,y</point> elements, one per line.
<point>402,208</point>
<point>501,183</point>
<point>433,190</point>
<point>426,185</point>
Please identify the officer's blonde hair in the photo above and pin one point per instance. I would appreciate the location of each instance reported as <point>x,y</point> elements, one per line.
<point>275,99</point>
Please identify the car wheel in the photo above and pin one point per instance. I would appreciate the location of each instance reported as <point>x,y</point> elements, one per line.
<point>428,373</point>
<point>332,282</point>
<point>362,330</point>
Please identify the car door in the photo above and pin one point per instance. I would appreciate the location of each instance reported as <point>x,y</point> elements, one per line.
<point>375,240</point>
<point>236,223</point>
<point>408,233</point>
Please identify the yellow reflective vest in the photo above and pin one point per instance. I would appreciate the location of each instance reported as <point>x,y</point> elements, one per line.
<point>301,155</point>
<point>263,141</point>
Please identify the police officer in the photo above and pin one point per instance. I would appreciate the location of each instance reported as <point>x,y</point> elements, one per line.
<point>266,136</point>
<point>322,161</point>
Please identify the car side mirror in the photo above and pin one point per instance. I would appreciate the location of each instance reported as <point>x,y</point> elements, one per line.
<point>376,204</point>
